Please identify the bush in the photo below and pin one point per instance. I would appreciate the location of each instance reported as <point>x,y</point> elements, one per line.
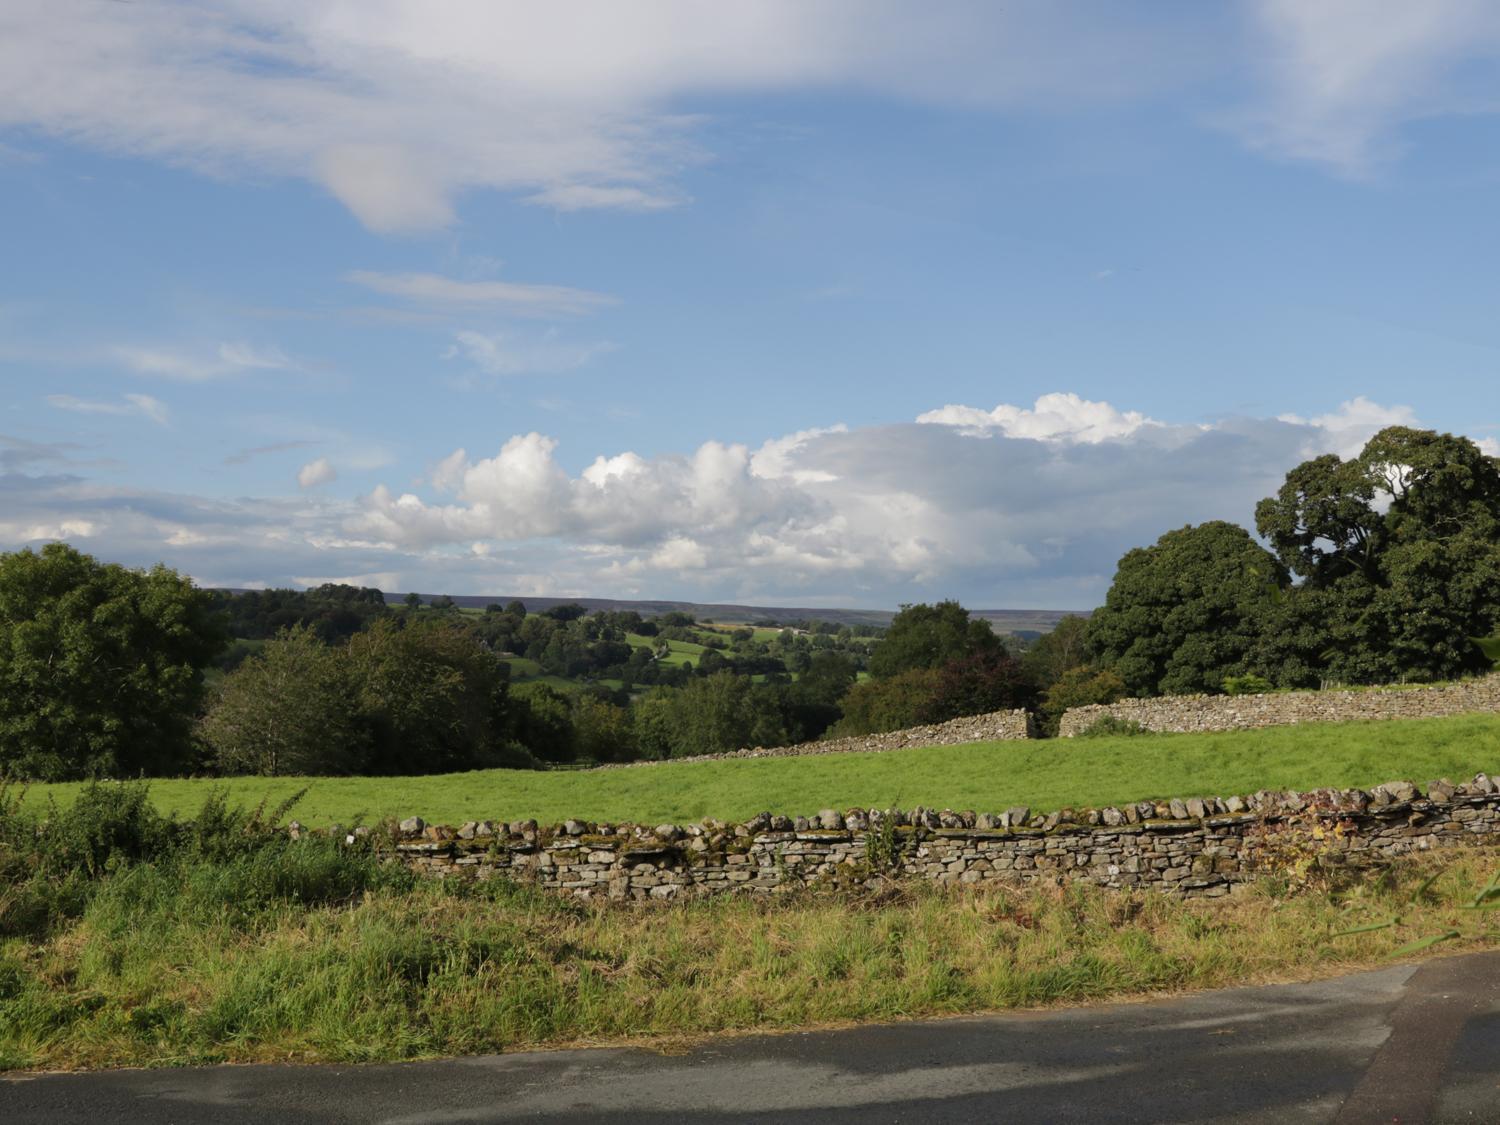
<point>1083,686</point>
<point>1248,684</point>
<point>1112,726</point>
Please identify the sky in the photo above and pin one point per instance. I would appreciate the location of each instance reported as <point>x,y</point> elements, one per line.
<point>797,303</point>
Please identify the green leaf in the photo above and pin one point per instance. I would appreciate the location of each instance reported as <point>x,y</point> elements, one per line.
<point>1423,943</point>
<point>1416,895</point>
<point>1367,929</point>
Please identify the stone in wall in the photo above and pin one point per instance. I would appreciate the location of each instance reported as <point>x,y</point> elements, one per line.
<point>1184,714</point>
<point>1196,847</point>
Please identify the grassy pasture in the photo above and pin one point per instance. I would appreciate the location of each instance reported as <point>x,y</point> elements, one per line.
<point>1044,774</point>
<point>680,651</point>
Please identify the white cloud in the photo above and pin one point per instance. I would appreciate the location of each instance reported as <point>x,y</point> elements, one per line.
<point>873,516</point>
<point>316,473</point>
<point>581,197</point>
<point>1344,431</point>
<point>1342,76</point>
<point>499,353</point>
<point>508,296</point>
<point>1054,417</point>
<point>135,405</point>
<point>397,110</point>
<point>224,361</point>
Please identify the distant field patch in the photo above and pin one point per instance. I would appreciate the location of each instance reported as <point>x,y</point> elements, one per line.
<point>1046,774</point>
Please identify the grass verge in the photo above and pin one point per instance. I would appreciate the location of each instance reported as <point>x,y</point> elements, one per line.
<point>176,963</point>
<point>1045,774</point>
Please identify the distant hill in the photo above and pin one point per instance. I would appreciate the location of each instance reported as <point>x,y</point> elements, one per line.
<point>1020,621</point>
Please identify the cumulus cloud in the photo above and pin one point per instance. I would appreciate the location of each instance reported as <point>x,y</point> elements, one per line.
<point>316,473</point>
<point>1003,506</point>
<point>1054,417</point>
<point>512,297</point>
<point>224,361</point>
<point>134,405</point>
<point>1344,431</point>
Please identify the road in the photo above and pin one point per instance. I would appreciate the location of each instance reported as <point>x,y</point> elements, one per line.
<point>1408,1044</point>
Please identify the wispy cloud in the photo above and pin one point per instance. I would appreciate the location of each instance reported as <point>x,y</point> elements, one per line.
<point>244,455</point>
<point>508,354</point>
<point>136,405</point>
<point>512,297</point>
<point>397,114</point>
<point>225,361</point>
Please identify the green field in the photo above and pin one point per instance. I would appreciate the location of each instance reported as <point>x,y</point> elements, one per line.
<point>1044,774</point>
<point>680,651</point>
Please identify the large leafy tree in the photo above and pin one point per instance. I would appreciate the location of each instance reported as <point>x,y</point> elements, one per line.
<point>101,667</point>
<point>1399,554</point>
<point>1184,614</point>
<point>929,636</point>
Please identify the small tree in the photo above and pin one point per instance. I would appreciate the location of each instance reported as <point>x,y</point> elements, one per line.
<point>928,636</point>
<point>292,709</point>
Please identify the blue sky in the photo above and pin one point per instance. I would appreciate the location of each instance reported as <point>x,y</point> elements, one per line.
<point>837,303</point>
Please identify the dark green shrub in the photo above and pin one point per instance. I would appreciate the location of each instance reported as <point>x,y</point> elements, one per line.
<point>1112,726</point>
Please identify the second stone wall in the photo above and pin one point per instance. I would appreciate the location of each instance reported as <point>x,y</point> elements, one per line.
<point>997,726</point>
<point>1184,714</point>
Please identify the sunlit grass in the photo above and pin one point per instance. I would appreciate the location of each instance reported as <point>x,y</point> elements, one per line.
<point>1045,775</point>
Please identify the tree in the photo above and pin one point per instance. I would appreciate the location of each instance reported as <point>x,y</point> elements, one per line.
<point>436,697</point>
<point>928,636</point>
<point>712,714</point>
<point>292,709</point>
<point>1054,653</point>
<point>413,601</point>
<point>978,685</point>
<point>893,703</point>
<point>602,730</point>
<point>101,667</point>
<point>542,722</point>
<point>1399,552</point>
<point>1185,613</point>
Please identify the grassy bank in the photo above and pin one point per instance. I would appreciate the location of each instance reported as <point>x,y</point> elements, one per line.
<point>405,970</point>
<point>128,938</point>
<point>984,776</point>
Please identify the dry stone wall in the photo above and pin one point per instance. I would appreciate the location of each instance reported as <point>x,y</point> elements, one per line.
<point>1197,847</point>
<point>997,726</point>
<point>1194,713</point>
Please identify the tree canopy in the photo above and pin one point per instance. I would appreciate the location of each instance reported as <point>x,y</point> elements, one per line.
<point>101,667</point>
<point>1185,613</point>
<point>929,636</point>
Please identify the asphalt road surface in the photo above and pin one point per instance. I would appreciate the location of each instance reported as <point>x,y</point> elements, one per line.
<point>1405,1044</point>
